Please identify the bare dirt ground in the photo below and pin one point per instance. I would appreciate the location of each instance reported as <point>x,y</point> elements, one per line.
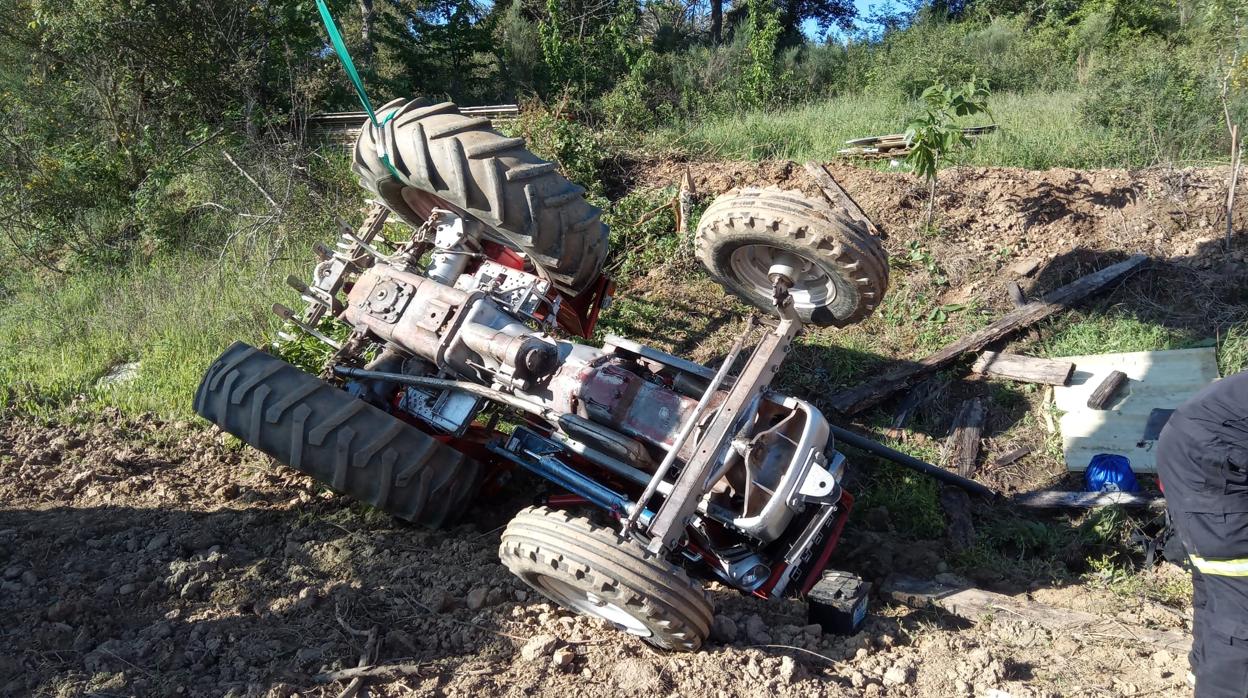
<point>144,558</point>
<point>141,557</point>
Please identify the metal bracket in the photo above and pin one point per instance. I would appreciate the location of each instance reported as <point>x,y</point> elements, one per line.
<point>669,523</point>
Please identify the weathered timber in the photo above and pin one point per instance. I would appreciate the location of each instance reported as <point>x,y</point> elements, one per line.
<point>837,196</point>
<point>1105,392</point>
<point>957,507</point>
<point>1026,369</point>
<point>1011,457</point>
<point>1059,499</point>
<point>913,400</point>
<point>962,448</point>
<point>974,604</point>
<point>874,391</point>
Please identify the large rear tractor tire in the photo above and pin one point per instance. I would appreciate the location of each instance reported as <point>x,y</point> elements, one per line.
<point>445,159</point>
<point>336,437</point>
<point>593,570</point>
<point>842,268</point>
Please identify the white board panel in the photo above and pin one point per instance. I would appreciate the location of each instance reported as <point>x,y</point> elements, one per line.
<point>1158,380</point>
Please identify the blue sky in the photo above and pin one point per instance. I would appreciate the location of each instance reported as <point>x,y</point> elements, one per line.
<point>862,6</point>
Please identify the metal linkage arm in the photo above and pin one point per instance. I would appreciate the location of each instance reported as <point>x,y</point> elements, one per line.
<point>668,525</point>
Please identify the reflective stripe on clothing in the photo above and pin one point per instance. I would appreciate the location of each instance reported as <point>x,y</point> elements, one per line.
<point>1222,568</point>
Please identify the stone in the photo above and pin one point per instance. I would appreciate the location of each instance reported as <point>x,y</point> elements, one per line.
<point>476,598</point>
<point>438,600</point>
<point>194,587</point>
<point>898,674</point>
<point>723,629</point>
<point>788,671</point>
<point>1025,267</point>
<point>60,611</point>
<point>539,646</point>
<point>126,589</point>
<point>29,578</point>
<point>157,542</point>
<point>563,658</point>
<point>857,679</point>
<point>12,572</point>
<point>756,630</point>
<point>307,655</point>
<point>1162,658</point>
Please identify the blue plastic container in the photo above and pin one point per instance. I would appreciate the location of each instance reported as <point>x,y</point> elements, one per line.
<point>1110,473</point>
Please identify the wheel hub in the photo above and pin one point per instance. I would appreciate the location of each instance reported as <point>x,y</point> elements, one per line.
<point>758,265</point>
<point>591,604</point>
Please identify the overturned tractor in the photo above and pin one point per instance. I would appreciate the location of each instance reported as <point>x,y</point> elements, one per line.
<point>667,473</point>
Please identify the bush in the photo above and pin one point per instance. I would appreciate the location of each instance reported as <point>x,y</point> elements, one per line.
<point>1165,98</point>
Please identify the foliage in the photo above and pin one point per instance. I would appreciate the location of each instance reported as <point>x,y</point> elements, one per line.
<point>762,76</point>
<point>936,131</point>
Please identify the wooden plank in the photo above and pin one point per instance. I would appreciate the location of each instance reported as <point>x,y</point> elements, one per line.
<point>962,448</point>
<point>1106,391</point>
<point>1160,380</point>
<point>1059,499</point>
<point>1026,369</point>
<point>957,506</point>
<point>837,196</point>
<point>876,390</point>
<point>974,604</point>
<point>1011,457</point>
<point>913,400</point>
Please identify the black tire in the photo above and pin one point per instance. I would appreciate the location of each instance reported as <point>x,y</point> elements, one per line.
<point>663,606</point>
<point>848,266</point>
<point>444,157</point>
<point>336,438</point>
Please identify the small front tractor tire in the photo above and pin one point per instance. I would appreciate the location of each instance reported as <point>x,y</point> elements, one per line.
<point>595,571</point>
<point>844,269</point>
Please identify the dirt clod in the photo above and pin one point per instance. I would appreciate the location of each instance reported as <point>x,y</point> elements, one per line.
<point>539,646</point>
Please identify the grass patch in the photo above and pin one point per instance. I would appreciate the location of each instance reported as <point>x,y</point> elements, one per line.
<point>173,316</point>
<point>1038,130</point>
<point>911,498</point>
<point>1233,351</point>
<point>1106,333</point>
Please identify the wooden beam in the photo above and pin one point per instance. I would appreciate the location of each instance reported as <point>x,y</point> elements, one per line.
<point>957,506</point>
<point>876,390</point>
<point>962,448</point>
<point>837,196</point>
<point>1105,392</point>
<point>1026,369</point>
<point>910,404</point>
<point>974,604</point>
<point>1057,499</point>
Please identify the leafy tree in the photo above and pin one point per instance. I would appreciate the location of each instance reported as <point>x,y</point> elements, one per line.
<point>762,77</point>
<point>935,132</point>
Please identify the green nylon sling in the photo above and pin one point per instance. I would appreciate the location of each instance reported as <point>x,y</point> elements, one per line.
<point>340,48</point>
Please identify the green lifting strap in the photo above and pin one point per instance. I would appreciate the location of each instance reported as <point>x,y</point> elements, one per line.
<point>340,48</point>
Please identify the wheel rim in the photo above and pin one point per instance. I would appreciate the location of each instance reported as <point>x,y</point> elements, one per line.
<point>812,286</point>
<point>590,604</point>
